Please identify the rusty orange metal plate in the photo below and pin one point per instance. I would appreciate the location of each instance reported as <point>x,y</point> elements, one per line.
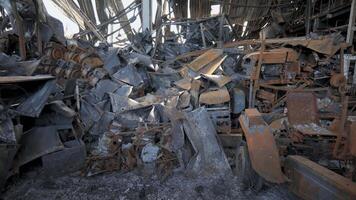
<point>302,108</point>
<point>262,147</point>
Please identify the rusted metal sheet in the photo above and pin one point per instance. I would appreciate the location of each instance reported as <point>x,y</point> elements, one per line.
<point>211,67</point>
<point>262,147</point>
<point>328,45</point>
<point>274,56</point>
<point>322,44</point>
<point>184,83</point>
<point>269,96</point>
<point>302,108</point>
<point>205,59</point>
<point>313,129</point>
<point>219,80</point>
<point>337,80</point>
<point>215,96</point>
<point>310,180</point>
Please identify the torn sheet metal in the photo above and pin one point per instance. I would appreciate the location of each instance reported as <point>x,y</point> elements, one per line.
<point>68,160</point>
<point>136,58</point>
<point>328,44</point>
<point>33,105</point>
<point>122,103</point>
<point>62,109</point>
<point>102,124</point>
<point>194,92</point>
<point>89,114</point>
<point>112,61</point>
<point>238,101</point>
<point>7,132</point>
<point>129,75</point>
<point>184,101</point>
<point>10,66</point>
<point>131,119</point>
<point>219,80</point>
<point>209,156</point>
<point>7,155</point>
<point>178,136</point>
<point>103,87</point>
<point>124,90</point>
<point>185,83</point>
<point>163,80</point>
<point>37,142</point>
<point>216,96</point>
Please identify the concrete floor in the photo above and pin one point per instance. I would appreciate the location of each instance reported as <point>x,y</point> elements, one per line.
<point>132,185</point>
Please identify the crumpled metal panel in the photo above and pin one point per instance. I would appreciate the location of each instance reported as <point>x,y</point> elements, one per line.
<point>219,80</point>
<point>62,109</point>
<point>132,118</point>
<point>261,146</point>
<point>122,103</point>
<point>7,154</point>
<point>89,114</point>
<point>129,75</point>
<point>37,142</point>
<point>32,106</point>
<point>104,87</point>
<point>238,101</point>
<point>124,90</point>
<point>216,96</point>
<point>103,124</point>
<point>7,133</point>
<point>70,159</point>
<point>10,65</point>
<point>112,61</point>
<point>209,155</point>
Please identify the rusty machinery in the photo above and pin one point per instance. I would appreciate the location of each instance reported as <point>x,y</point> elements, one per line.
<point>302,156</point>
<point>310,141</point>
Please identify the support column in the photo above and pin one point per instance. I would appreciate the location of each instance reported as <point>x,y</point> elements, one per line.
<point>351,28</point>
<point>147,15</point>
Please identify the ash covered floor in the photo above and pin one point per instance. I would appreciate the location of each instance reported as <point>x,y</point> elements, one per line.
<point>134,185</point>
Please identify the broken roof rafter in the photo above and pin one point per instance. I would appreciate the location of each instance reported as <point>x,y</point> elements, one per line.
<point>133,6</point>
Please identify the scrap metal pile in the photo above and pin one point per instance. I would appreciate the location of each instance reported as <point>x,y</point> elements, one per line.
<point>68,105</point>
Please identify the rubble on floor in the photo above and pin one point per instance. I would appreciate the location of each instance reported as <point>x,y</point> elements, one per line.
<point>133,185</point>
